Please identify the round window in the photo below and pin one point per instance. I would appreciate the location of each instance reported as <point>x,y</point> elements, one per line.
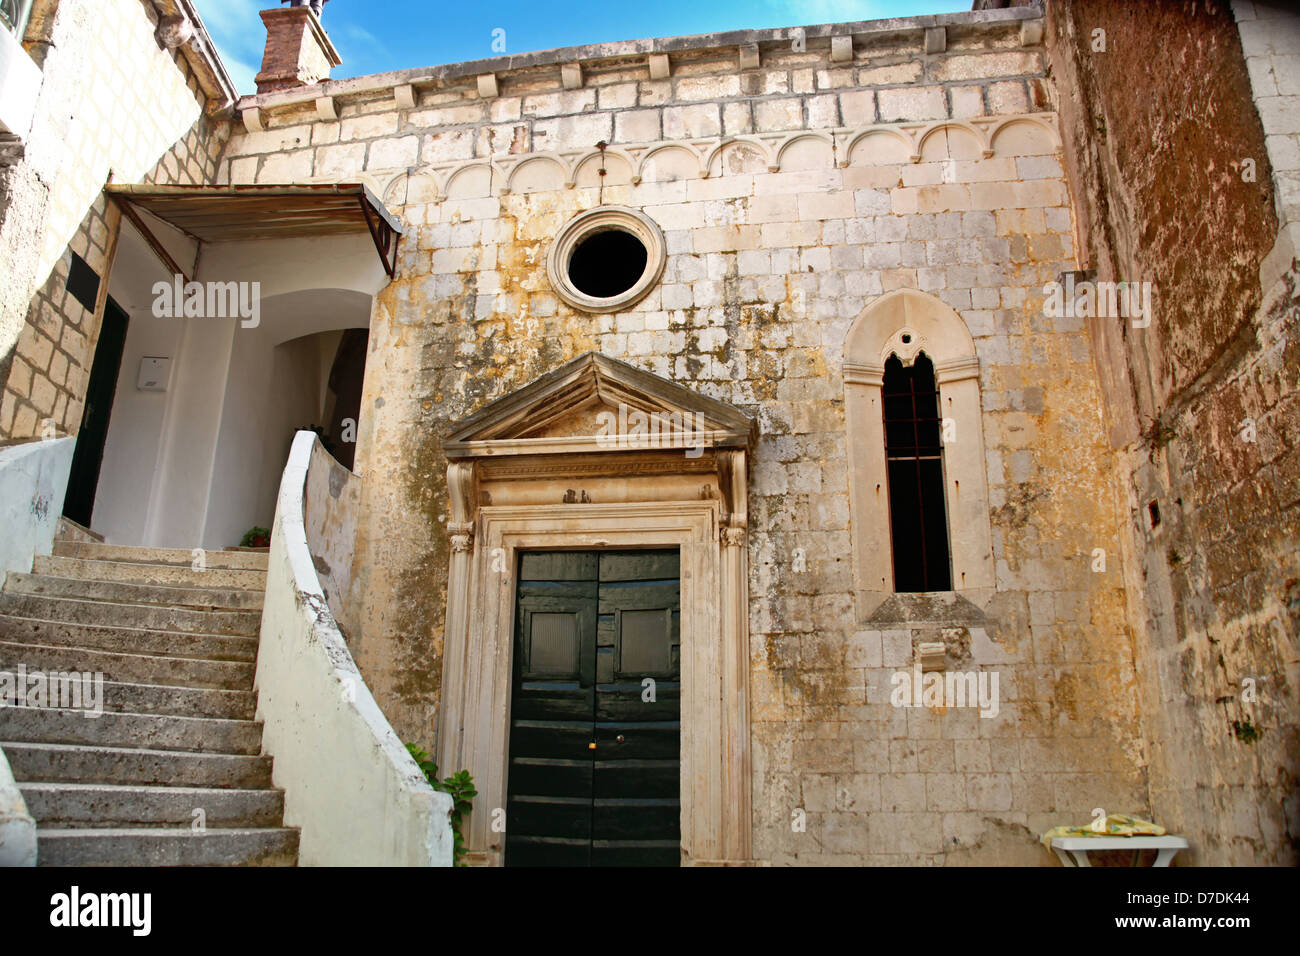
<point>606,259</point>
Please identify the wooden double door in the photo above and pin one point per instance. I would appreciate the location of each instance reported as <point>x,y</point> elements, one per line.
<point>595,734</point>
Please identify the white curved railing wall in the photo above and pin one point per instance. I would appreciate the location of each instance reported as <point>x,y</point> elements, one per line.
<point>33,482</point>
<point>17,828</point>
<point>357,796</point>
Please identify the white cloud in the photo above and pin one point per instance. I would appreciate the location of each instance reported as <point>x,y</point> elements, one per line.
<point>827,11</point>
<point>230,18</point>
<point>235,25</point>
<point>354,42</point>
<point>241,74</point>
<point>361,34</point>
<point>239,35</point>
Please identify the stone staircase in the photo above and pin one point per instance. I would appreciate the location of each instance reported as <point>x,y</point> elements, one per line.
<point>172,773</point>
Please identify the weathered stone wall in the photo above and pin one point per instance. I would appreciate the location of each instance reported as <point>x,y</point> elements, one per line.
<point>1202,406</point>
<point>113,102</point>
<point>783,222</point>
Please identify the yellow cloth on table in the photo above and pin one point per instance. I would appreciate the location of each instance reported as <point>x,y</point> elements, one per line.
<point>1117,824</point>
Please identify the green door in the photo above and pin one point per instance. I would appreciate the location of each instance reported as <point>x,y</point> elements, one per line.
<point>595,735</point>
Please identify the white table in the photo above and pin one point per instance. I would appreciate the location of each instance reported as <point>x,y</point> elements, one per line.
<point>1079,847</point>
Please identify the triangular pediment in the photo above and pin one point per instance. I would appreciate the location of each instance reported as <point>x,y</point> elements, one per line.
<point>580,404</point>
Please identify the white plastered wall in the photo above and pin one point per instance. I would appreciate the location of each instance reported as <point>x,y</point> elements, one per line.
<point>198,464</point>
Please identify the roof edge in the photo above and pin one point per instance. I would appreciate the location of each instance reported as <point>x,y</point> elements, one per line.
<point>597,52</point>
<point>201,54</point>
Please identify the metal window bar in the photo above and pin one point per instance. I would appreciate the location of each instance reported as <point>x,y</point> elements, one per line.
<point>14,14</point>
<point>917,452</point>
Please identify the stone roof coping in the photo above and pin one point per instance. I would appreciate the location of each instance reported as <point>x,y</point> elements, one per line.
<point>621,50</point>
<point>201,54</point>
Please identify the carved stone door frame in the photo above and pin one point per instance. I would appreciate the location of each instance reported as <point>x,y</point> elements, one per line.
<point>506,497</point>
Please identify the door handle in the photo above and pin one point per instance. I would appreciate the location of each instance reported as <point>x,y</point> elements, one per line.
<point>619,738</point>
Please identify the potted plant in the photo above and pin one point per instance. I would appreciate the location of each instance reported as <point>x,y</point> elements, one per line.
<point>256,537</point>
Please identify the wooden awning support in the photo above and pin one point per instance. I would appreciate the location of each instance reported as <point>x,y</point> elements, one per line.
<point>158,248</point>
<point>385,238</point>
<point>252,213</point>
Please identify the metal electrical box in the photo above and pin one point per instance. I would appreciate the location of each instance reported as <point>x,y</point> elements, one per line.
<point>153,374</point>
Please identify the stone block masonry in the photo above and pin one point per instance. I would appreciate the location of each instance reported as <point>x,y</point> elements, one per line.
<point>1201,407</point>
<point>792,192</point>
<point>143,120</point>
<point>1129,643</point>
<point>890,79</point>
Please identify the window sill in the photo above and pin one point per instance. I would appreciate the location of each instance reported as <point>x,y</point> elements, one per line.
<point>927,609</point>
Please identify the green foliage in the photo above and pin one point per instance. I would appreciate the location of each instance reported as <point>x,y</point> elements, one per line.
<point>256,537</point>
<point>461,788</point>
<point>1246,732</point>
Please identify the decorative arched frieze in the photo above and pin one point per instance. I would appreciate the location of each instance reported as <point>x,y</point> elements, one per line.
<point>395,193</point>
<point>971,142</point>
<point>798,140</point>
<point>618,168</point>
<point>906,323</point>
<point>472,181</point>
<point>715,161</point>
<point>690,161</point>
<point>880,144</point>
<point>884,146</point>
<point>1025,135</point>
<point>544,171</point>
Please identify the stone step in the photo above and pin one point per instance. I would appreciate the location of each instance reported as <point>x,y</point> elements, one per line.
<point>69,530</point>
<point>133,698</point>
<point>183,557</point>
<point>130,668</point>
<point>80,805</point>
<point>123,698</point>
<point>129,593</point>
<point>153,731</point>
<point>65,763</point>
<point>127,640</point>
<point>147,616</point>
<point>134,572</point>
<point>167,847</point>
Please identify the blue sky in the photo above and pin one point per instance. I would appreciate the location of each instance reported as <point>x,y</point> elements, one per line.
<point>376,36</point>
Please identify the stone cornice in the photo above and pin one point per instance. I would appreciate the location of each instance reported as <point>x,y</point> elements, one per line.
<point>200,52</point>
<point>595,57</point>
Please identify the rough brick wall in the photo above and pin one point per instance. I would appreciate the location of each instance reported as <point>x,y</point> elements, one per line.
<point>767,268</point>
<point>1202,407</point>
<point>113,102</point>
<point>294,54</point>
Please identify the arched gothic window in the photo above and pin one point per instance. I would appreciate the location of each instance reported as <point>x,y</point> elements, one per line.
<point>917,482</point>
<point>914,458</point>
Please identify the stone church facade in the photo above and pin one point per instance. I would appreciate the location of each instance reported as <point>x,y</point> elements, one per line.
<point>822,221</point>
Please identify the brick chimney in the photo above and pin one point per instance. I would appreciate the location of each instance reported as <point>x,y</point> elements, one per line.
<point>298,50</point>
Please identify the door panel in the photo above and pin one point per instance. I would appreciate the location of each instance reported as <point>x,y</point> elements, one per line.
<point>597,661</point>
<point>549,807</point>
<point>88,456</point>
